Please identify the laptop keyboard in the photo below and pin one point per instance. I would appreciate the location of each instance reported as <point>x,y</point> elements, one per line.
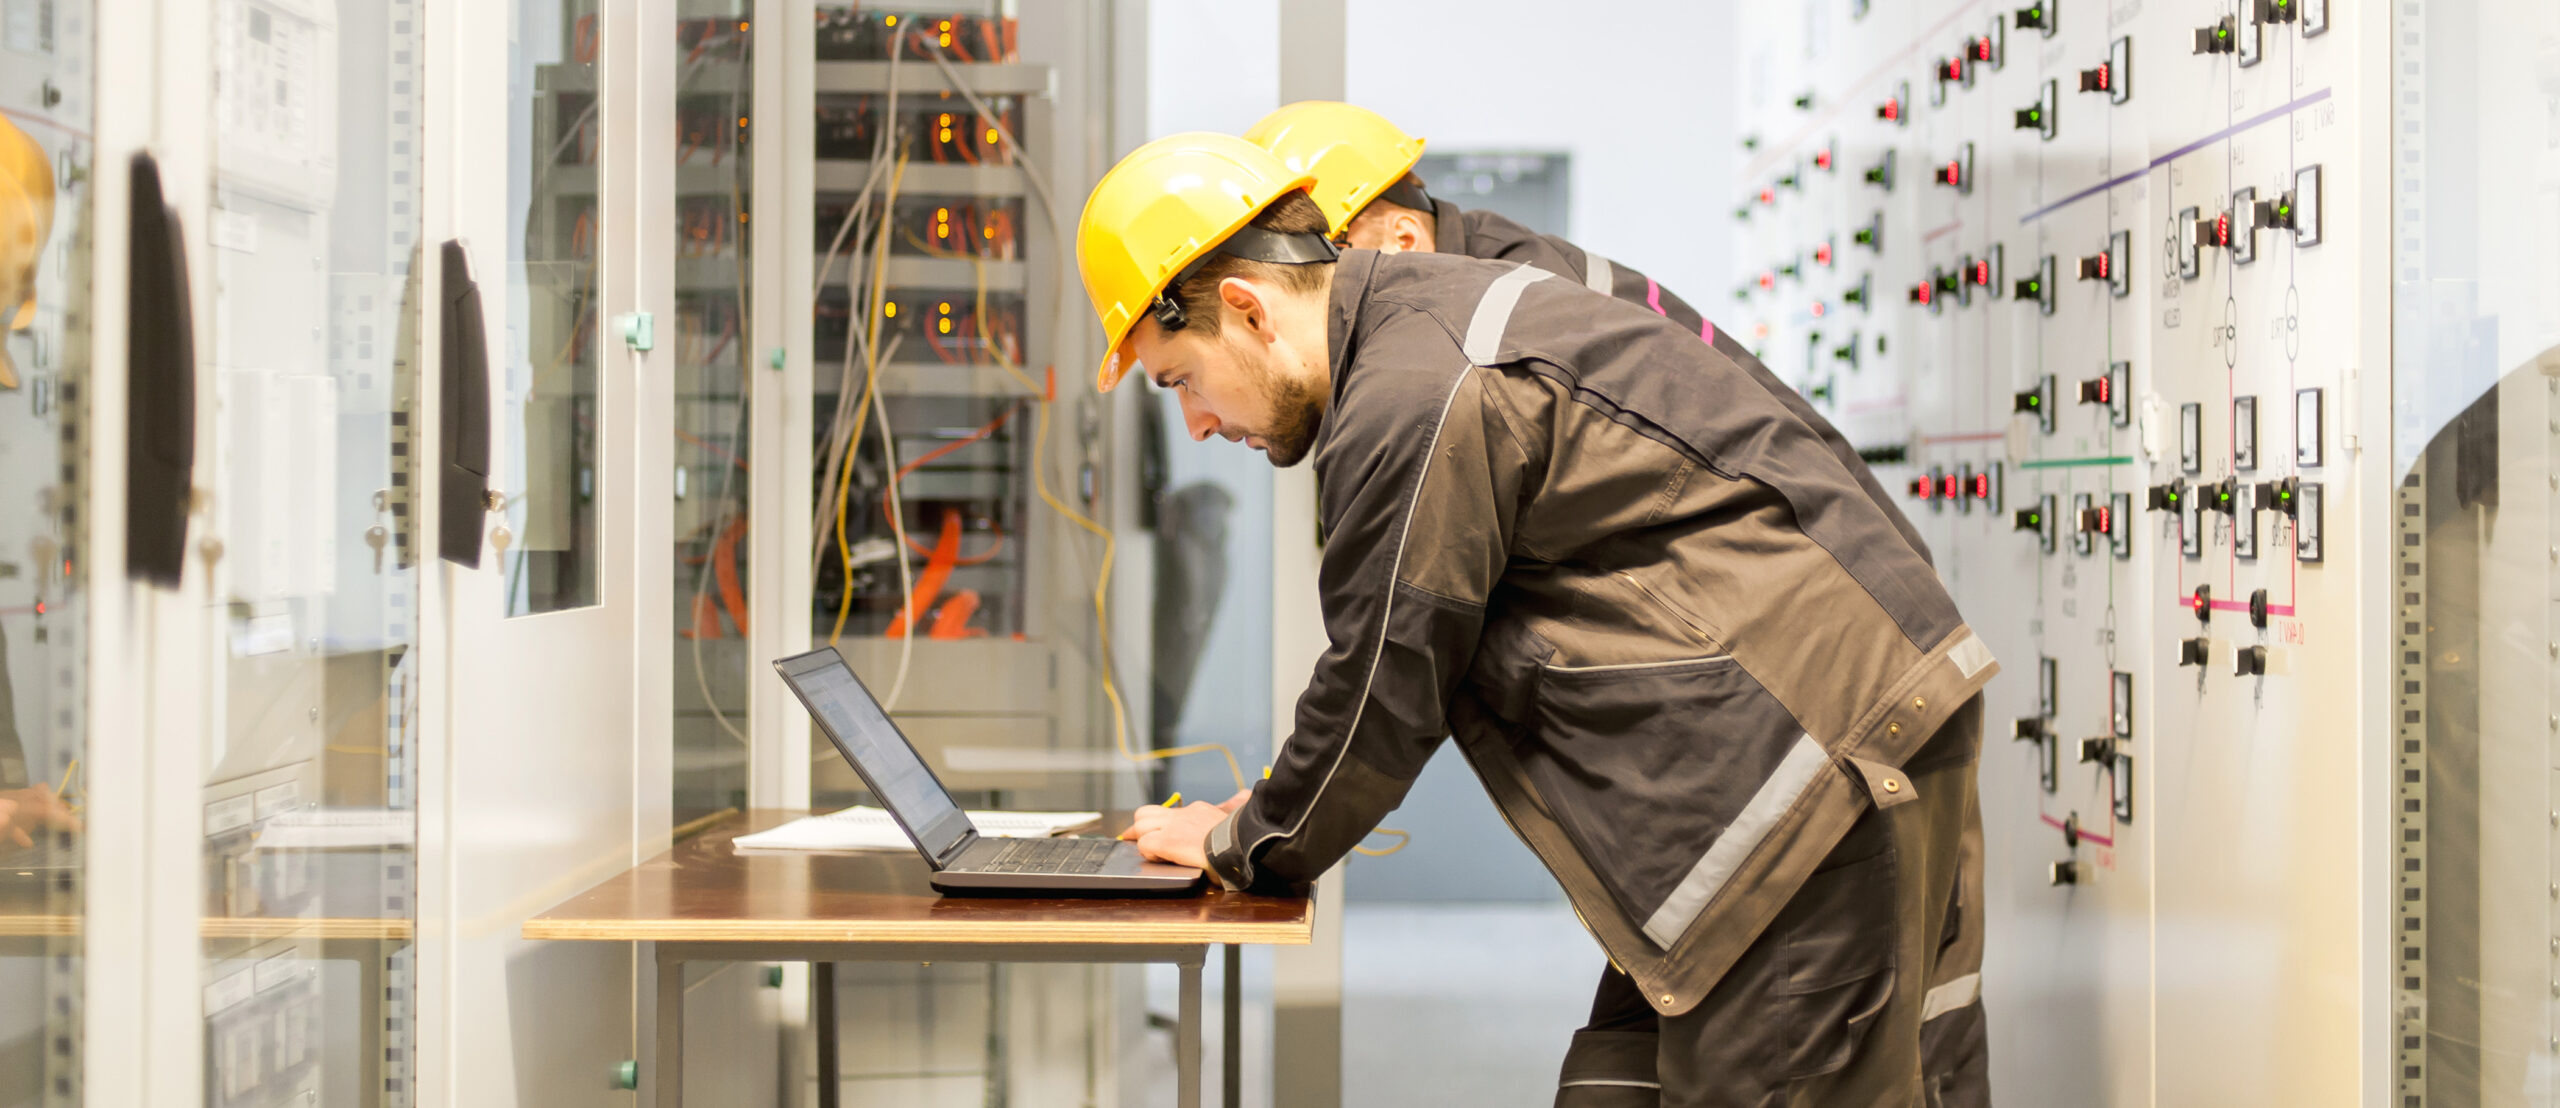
<point>1048,856</point>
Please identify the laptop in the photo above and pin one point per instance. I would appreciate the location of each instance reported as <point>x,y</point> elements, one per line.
<point>963,861</point>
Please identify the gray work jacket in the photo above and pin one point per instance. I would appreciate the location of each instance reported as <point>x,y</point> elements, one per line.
<point>1681,647</point>
<point>1491,235</point>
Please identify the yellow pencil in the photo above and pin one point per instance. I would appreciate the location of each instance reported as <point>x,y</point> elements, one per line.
<point>1173,800</point>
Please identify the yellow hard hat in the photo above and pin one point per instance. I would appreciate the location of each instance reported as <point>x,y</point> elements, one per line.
<point>26,221</point>
<point>1355,154</point>
<point>1166,206</point>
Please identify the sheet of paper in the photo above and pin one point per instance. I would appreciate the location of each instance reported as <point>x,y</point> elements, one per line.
<point>867,828</point>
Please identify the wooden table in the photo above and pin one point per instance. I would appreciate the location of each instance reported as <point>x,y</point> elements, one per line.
<point>704,901</point>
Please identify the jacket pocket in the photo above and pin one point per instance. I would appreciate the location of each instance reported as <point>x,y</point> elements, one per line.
<point>1646,765</point>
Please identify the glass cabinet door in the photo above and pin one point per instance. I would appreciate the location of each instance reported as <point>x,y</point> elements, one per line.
<point>46,89</point>
<point>312,246</point>
<point>713,116</point>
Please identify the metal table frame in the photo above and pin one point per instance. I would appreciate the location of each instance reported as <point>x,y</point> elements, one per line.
<point>667,1056</point>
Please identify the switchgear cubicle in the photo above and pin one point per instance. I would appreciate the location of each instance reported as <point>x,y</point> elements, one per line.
<point>2213,346</point>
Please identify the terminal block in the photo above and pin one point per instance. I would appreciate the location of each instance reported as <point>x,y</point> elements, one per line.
<point>2113,76</point>
<point>2251,661</point>
<point>2223,37</point>
<point>2040,116</point>
<point>1984,273</point>
<point>2040,288</point>
<point>2063,873</point>
<point>2085,522</point>
<point>2244,433</point>
<point>2222,496</point>
<point>2170,497</point>
<point>2112,265</point>
<point>2036,18</point>
<point>2113,391</point>
<point>2297,209</point>
<point>1991,47</point>
<point>2307,530</point>
<point>1957,171</point>
<point>1986,485</point>
<point>2038,402</point>
<point>2039,520</point>
<point>2120,524</point>
<point>1858,294</point>
<point>1896,109</point>
<point>2195,652</point>
<point>2241,224</point>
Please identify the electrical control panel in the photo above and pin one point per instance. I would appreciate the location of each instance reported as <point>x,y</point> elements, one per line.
<point>2136,290</point>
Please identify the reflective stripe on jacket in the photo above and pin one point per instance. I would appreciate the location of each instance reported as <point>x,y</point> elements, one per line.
<point>1496,237</point>
<point>1673,636</point>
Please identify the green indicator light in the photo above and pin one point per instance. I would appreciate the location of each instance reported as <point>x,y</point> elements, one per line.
<point>2036,12</point>
<point>2034,401</point>
<point>2222,32</point>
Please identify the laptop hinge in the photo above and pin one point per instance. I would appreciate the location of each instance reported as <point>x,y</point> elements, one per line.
<point>959,847</point>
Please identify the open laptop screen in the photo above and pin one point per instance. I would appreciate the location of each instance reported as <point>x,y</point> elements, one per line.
<point>846,711</point>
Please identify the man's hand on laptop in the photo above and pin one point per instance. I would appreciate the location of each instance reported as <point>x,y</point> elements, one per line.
<point>1180,835</point>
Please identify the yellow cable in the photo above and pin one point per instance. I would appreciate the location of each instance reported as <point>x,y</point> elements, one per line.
<point>870,387</point>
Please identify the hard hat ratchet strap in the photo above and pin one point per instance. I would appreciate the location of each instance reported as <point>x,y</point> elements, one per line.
<point>1252,244</point>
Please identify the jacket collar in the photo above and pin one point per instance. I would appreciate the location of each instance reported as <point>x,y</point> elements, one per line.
<point>1448,229</point>
<point>1351,279</point>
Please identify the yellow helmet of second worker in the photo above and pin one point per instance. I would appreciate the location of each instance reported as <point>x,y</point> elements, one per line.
<point>1167,205</point>
<point>1354,153</point>
<point>26,221</point>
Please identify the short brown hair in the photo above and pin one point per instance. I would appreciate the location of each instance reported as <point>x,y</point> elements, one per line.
<point>1292,214</point>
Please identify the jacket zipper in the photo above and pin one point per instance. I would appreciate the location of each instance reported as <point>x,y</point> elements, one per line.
<point>1675,613</point>
<point>1641,665</point>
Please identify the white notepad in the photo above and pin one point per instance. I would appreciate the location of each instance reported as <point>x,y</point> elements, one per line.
<point>867,828</point>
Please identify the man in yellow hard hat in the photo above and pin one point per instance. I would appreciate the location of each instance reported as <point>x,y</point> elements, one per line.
<point>1702,675</point>
<point>1372,199</point>
<point>26,222</point>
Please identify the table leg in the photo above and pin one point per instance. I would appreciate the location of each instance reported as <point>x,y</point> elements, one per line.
<point>1230,1061</point>
<point>822,976</point>
<point>1186,1036</point>
<point>669,1078</point>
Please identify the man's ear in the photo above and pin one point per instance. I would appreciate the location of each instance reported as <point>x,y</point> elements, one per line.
<point>1411,232</point>
<point>1245,300</point>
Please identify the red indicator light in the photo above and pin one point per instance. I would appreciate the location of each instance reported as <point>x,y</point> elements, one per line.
<point>1982,273</point>
<point>1982,486</point>
<point>1920,293</point>
<point>1982,49</point>
<point>1822,254</point>
<point>1951,488</point>
<point>2104,261</point>
<point>1768,280</point>
<point>2106,390</point>
<point>1951,69</point>
<point>39,607</point>
<point>1822,159</point>
<point>2107,520</point>
<point>1817,309</point>
<point>2222,229</point>
<point>1953,174</point>
<point>1889,110</point>
<point>2106,76</point>
<point>1921,487</point>
<point>1768,196</point>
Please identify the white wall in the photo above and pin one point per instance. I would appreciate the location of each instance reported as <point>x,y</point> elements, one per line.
<point>1635,92</point>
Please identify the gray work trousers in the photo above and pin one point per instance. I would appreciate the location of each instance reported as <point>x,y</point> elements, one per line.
<point>1864,992</point>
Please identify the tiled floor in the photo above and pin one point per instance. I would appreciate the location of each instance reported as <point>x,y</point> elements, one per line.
<point>1443,1005</point>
